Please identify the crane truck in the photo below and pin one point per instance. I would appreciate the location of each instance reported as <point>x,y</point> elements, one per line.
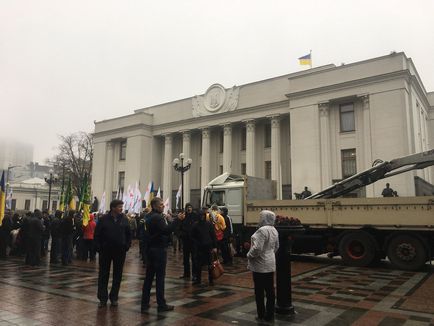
<point>361,230</point>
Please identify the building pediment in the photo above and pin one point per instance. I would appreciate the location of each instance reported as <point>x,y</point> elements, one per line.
<point>216,100</point>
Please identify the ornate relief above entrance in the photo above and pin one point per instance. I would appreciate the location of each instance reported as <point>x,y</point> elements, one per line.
<point>215,100</point>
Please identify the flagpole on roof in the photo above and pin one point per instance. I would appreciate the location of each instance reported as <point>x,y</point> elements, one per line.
<point>310,59</point>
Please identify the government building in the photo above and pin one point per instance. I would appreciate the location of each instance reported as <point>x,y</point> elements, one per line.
<point>309,128</point>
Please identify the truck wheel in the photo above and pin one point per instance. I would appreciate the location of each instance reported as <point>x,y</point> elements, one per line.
<point>358,249</point>
<point>406,252</point>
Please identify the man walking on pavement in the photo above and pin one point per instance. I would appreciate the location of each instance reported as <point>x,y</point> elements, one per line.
<point>159,231</point>
<point>112,240</point>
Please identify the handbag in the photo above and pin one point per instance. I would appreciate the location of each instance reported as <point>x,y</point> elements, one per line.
<point>217,269</point>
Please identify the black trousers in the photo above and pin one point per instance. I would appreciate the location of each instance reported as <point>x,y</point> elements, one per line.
<point>224,249</point>
<point>264,282</point>
<point>33,253</point>
<point>202,257</point>
<point>155,268</point>
<point>88,249</point>
<point>55,249</point>
<point>106,257</point>
<point>187,253</point>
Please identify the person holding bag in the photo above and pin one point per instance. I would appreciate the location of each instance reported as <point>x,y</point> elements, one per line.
<point>205,244</point>
<point>262,263</point>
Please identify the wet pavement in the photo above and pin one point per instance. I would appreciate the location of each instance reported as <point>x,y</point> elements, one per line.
<point>324,292</point>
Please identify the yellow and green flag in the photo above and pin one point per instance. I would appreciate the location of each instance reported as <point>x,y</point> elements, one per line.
<point>2,197</point>
<point>85,201</point>
<point>62,198</point>
<point>69,201</point>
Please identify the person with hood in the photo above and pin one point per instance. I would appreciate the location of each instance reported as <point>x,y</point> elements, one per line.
<point>218,221</point>
<point>188,218</point>
<point>262,263</point>
<point>88,235</point>
<point>205,244</point>
<point>56,239</point>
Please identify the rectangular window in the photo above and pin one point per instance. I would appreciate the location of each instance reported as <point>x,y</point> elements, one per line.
<point>222,140</point>
<point>27,204</point>
<point>221,169</point>
<point>44,204</point>
<point>54,208</point>
<point>123,151</point>
<point>267,135</point>
<point>243,168</point>
<point>121,181</point>
<point>243,138</point>
<point>346,113</point>
<point>349,166</point>
<point>14,204</point>
<point>267,169</point>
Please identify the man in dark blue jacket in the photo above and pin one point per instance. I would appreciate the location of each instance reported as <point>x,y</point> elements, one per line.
<point>159,230</point>
<point>113,240</point>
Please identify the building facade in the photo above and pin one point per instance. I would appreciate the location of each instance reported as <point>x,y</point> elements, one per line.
<point>309,128</point>
<point>31,194</point>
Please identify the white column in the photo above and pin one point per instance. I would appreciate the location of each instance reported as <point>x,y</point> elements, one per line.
<point>108,186</point>
<point>275,154</point>
<point>227,148</point>
<point>250,148</point>
<point>186,141</point>
<point>367,144</point>
<point>167,169</point>
<point>325,145</point>
<point>205,164</point>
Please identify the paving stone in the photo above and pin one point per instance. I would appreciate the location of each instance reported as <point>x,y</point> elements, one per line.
<point>324,292</point>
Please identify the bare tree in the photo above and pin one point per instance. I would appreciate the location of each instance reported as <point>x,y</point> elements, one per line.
<point>75,154</point>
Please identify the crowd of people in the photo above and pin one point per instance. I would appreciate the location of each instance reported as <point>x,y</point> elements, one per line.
<point>29,235</point>
<point>202,235</point>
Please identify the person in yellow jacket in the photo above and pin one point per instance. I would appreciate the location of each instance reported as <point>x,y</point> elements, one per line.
<point>218,221</point>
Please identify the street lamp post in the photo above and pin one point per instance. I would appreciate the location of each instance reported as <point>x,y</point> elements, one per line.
<point>51,179</point>
<point>178,164</point>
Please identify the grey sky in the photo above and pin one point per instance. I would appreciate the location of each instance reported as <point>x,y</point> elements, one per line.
<point>64,64</point>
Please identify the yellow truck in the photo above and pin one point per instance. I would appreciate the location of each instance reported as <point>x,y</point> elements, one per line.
<point>360,230</point>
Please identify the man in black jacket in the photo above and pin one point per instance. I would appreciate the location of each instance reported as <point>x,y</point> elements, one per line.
<point>187,220</point>
<point>113,240</point>
<point>55,237</point>
<point>159,230</point>
<point>34,239</point>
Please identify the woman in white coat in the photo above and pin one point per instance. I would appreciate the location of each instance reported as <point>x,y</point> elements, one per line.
<point>262,262</point>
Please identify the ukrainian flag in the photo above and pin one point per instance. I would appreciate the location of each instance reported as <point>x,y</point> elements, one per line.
<point>306,60</point>
<point>2,197</point>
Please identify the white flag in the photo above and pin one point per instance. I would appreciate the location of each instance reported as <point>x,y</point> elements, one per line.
<point>159,193</point>
<point>102,204</point>
<point>137,200</point>
<point>166,206</point>
<point>178,196</point>
<point>9,199</point>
